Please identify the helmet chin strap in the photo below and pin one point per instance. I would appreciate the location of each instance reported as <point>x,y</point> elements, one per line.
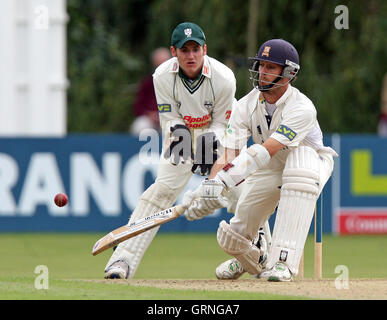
<point>269,86</point>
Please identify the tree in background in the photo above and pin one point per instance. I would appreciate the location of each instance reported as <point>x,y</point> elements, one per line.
<point>109,43</point>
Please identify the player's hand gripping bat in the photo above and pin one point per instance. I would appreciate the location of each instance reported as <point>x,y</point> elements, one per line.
<point>137,227</point>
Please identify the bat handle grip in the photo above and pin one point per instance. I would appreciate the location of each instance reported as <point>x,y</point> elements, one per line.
<point>180,209</point>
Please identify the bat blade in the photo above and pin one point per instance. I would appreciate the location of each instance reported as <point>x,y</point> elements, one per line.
<point>128,231</point>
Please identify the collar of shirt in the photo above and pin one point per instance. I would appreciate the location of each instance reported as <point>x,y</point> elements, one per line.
<point>281,100</point>
<point>184,77</point>
<point>206,69</point>
<point>285,96</point>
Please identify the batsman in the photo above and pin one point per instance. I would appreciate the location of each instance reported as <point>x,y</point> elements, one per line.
<point>287,166</point>
<point>195,94</point>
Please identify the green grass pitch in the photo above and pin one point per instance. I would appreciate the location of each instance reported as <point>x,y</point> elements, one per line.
<point>170,256</point>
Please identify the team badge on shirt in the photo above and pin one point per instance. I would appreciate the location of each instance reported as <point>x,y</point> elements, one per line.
<point>164,108</point>
<point>208,104</point>
<point>287,132</point>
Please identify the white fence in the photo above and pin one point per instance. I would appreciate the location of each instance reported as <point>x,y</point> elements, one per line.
<point>33,81</point>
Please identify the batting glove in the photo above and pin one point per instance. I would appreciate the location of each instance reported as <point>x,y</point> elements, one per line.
<point>205,200</point>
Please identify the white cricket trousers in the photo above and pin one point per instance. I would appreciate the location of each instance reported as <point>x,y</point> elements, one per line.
<point>261,194</point>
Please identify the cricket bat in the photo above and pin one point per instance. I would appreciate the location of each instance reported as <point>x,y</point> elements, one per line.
<point>137,227</point>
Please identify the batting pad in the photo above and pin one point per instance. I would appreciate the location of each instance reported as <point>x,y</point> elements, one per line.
<point>299,192</point>
<point>156,198</point>
<point>241,248</point>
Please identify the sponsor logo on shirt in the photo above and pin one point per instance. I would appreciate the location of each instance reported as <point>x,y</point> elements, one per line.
<point>228,114</point>
<point>287,132</point>
<point>164,108</point>
<point>198,122</point>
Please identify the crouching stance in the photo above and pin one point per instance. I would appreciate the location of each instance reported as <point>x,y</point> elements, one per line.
<point>195,94</point>
<point>284,170</point>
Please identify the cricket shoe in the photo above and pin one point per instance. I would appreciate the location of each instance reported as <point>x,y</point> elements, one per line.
<point>229,270</point>
<point>279,273</point>
<point>117,270</point>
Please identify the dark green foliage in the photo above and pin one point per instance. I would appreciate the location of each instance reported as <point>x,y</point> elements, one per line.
<point>109,43</point>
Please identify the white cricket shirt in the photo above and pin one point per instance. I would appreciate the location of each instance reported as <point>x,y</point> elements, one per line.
<point>293,123</point>
<point>205,103</point>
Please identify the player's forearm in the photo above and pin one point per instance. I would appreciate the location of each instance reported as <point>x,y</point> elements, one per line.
<point>228,156</point>
<point>250,160</point>
<point>272,146</point>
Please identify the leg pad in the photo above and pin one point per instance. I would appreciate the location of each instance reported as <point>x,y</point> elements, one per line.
<point>241,248</point>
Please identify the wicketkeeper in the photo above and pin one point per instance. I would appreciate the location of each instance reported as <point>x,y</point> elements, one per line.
<point>195,94</point>
<point>287,165</point>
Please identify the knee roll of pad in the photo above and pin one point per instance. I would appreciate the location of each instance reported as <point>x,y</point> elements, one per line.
<point>241,248</point>
<point>302,171</point>
<point>159,194</point>
<point>156,198</point>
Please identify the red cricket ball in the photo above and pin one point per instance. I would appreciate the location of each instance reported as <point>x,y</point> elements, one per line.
<point>61,199</point>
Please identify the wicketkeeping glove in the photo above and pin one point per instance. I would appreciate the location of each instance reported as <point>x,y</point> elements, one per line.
<point>206,153</point>
<point>181,145</point>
